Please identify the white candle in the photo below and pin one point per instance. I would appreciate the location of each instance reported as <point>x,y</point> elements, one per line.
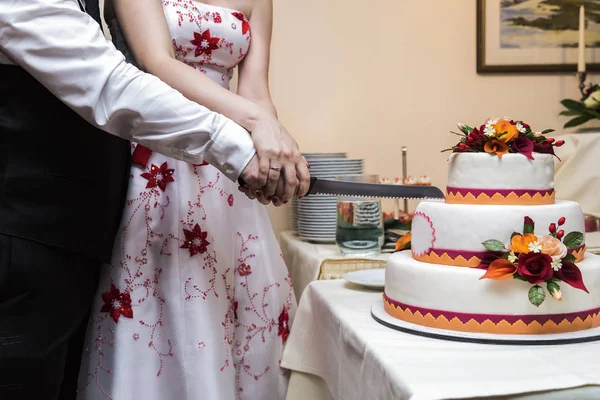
<point>581,59</point>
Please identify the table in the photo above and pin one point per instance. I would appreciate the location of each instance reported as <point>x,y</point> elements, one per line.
<point>336,350</point>
<point>308,262</point>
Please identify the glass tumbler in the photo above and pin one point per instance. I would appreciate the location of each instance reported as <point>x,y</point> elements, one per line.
<point>359,223</point>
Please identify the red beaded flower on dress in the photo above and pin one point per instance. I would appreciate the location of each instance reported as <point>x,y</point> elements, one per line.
<point>205,43</point>
<point>284,329</point>
<point>159,176</point>
<point>245,269</point>
<point>245,23</point>
<point>195,241</point>
<point>117,303</point>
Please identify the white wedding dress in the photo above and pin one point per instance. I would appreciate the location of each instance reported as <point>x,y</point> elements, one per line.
<point>197,302</point>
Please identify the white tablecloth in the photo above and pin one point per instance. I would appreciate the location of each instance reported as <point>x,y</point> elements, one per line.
<point>335,339</point>
<point>308,262</point>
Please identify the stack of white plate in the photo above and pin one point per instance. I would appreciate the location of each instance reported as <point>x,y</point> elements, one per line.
<point>314,216</point>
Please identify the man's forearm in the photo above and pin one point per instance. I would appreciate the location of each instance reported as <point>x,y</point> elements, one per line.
<point>64,49</point>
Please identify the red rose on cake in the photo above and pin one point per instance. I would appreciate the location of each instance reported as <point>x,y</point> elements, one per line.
<point>535,267</point>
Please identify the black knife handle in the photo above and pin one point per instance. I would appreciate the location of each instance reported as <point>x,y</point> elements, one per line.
<point>313,180</point>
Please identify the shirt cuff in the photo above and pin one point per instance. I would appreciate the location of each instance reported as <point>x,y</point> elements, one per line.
<point>231,150</point>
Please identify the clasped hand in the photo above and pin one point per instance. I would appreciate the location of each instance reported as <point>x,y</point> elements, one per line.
<point>278,171</point>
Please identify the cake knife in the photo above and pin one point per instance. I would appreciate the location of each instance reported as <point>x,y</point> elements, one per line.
<point>378,190</point>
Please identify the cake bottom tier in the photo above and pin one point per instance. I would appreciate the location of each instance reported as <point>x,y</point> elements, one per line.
<point>454,298</point>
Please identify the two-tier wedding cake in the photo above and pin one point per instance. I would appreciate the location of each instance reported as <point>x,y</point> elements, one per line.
<point>500,255</point>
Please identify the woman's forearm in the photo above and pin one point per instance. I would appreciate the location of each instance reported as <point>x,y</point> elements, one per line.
<point>265,104</point>
<point>197,87</point>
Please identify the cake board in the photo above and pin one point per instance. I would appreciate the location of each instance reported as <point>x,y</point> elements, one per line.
<point>381,316</point>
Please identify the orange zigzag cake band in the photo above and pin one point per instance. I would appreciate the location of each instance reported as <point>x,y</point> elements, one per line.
<point>530,324</point>
<point>511,199</point>
<point>470,259</point>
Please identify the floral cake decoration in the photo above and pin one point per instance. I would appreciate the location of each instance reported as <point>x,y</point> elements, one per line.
<point>537,260</point>
<point>502,136</point>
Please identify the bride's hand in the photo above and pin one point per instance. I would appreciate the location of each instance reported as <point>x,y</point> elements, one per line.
<point>278,154</point>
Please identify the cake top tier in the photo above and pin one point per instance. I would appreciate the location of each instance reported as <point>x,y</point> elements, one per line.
<point>502,162</point>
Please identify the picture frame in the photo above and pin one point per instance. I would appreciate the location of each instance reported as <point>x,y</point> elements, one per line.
<point>514,39</point>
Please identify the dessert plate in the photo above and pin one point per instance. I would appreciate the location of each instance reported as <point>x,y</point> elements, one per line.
<point>378,313</point>
<point>371,278</point>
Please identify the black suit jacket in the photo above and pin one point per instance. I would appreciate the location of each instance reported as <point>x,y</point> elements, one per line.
<point>62,181</point>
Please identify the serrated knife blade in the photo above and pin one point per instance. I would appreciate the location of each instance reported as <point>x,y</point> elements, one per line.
<point>357,189</point>
<point>379,190</point>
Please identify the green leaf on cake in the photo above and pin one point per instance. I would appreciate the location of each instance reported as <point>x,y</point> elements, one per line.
<point>528,225</point>
<point>536,295</point>
<point>569,258</point>
<point>514,234</point>
<point>549,130</point>
<point>493,245</point>
<point>573,240</point>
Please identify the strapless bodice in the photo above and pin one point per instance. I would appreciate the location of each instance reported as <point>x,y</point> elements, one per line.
<point>209,38</point>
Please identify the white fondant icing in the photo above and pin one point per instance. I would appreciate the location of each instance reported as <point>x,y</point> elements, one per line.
<point>459,289</point>
<point>465,227</point>
<point>422,243</point>
<point>512,171</point>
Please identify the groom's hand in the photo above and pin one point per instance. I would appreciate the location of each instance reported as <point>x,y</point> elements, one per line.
<point>250,174</point>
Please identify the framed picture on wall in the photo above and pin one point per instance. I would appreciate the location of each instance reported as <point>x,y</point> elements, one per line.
<point>535,35</point>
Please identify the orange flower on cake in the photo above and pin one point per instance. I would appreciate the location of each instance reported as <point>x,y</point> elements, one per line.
<point>496,147</point>
<point>403,243</point>
<point>506,131</point>
<point>521,243</point>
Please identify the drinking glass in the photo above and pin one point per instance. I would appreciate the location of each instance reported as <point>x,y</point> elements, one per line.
<point>359,222</point>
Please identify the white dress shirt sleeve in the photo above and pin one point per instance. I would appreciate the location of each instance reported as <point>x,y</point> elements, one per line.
<point>65,50</point>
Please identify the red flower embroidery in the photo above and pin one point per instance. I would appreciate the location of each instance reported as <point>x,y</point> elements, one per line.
<point>230,200</point>
<point>245,269</point>
<point>159,176</point>
<point>284,329</point>
<point>200,165</point>
<point>195,241</point>
<point>245,23</point>
<point>217,18</point>
<point>205,43</point>
<point>117,303</point>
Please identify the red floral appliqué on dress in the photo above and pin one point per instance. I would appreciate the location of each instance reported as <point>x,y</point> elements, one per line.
<point>284,329</point>
<point>195,241</point>
<point>159,176</point>
<point>245,23</point>
<point>205,43</point>
<point>117,303</point>
<point>244,269</point>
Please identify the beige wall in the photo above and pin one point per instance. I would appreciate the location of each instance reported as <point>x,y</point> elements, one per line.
<point>368,77</point>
